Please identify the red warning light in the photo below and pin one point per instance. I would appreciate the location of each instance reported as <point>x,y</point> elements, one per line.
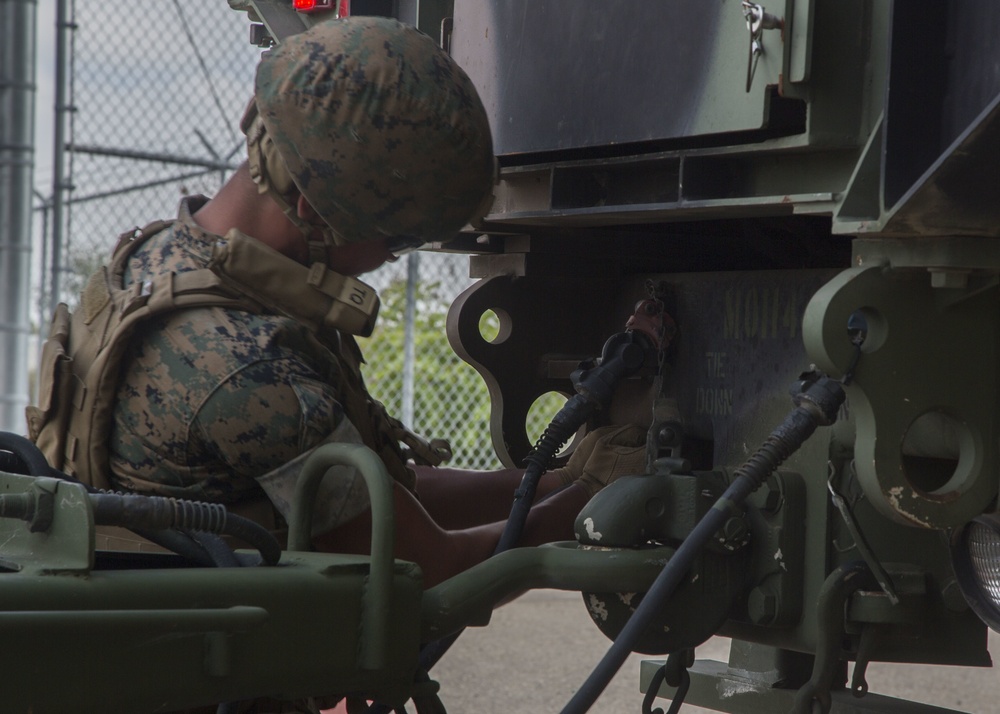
<point>343,7</point>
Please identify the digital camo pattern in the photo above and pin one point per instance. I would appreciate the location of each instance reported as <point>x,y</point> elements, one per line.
<point>383,133</point>
<point>342,493</point>
<point>213,399</point>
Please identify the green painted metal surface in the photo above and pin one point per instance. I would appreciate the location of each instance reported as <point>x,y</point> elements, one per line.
<point>918,394</point>
<point>148,633</point>
<point>633,155</point>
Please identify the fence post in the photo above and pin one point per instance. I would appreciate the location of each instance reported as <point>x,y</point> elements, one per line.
<point>17,112</point>
<point>409,336</point>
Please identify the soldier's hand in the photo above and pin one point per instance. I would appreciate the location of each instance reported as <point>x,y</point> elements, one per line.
<point>605,454</point>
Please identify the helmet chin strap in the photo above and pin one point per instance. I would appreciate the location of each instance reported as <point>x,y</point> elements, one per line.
<point>348,304</point>
<point>269,172</point>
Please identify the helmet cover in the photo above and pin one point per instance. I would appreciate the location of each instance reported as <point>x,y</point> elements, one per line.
<point>382,132</point>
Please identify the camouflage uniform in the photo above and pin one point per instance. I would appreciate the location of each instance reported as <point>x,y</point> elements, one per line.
<point>222,405</point>
<point>385,137</point>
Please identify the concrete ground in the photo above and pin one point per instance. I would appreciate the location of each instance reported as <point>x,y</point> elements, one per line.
<point>538,649</point>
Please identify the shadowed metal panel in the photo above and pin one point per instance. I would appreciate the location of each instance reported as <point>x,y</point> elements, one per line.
<point>562,74</point>
<point>943,119</point>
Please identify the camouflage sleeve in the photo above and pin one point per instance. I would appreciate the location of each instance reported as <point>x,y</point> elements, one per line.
<point>265,420</point>
<point>342,492</point>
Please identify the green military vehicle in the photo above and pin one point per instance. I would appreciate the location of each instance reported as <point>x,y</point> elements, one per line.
<point>769,233</point>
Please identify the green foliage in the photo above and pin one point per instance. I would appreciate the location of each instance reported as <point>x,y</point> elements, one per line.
<point>451,400</point>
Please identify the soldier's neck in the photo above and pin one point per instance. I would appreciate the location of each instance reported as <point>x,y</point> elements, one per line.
<point>238,205</point>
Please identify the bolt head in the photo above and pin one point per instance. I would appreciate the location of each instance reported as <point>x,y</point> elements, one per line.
<point>762,606</point>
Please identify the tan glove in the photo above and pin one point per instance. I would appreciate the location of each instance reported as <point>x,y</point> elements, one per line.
<point>605,454</point>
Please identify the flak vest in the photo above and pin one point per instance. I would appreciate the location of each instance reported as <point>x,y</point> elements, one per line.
<point>82,358</point>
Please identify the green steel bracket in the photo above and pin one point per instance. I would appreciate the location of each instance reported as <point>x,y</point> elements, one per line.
<point>378,593</point>
<point>924,402</point>
<point>778,536</point>
<point>470,597</point>
<point>860,207</point>
<point>315,624</point>
<point>166,638</point>
<point>66,545</point>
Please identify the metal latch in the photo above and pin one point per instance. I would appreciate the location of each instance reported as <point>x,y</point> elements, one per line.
<point>758,20</point>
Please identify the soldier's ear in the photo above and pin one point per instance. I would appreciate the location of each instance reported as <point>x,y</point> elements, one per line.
<point>306,212</point>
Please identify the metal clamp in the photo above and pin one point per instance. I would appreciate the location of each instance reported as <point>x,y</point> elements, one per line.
<point>758,20</point>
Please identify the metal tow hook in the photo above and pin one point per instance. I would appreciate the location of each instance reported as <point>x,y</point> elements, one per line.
<point>839,586</point>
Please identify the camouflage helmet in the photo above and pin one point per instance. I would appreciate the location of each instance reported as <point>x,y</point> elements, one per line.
<point>380,130</point>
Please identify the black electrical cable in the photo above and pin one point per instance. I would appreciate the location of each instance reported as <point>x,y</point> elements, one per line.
<point>19,455</point>
<point>817,405</point>
<point>160,513</point>
<point>623,355</point>
<point>565,423</point>
<point>198,548</point>
<point>23,454</point>
<point>10,463</point>
<point>571,417</point>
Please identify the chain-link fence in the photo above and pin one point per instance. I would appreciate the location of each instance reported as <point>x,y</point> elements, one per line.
<point>157,90</point>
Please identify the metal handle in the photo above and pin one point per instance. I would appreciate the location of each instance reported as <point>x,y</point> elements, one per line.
<point>377,596</point>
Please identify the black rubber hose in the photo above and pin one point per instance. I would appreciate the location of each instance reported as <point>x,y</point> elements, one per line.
<point>219,551</point>
<point>25,452</point>
<point>571,417</point>
<point>12,464</point>
<point>622,356</point>
<point>20,456</point>
<point>160,513</point>
<point>187,545</point>
<point>256,536</point>
<point>818,405</point>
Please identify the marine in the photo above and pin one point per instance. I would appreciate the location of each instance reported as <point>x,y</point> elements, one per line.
<point>216,351</point>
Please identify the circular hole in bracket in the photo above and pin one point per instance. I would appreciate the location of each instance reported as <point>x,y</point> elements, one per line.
<point>869,326</point>
<point>540,413</point>
<point>935,450</point>
<point>494,326</point>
